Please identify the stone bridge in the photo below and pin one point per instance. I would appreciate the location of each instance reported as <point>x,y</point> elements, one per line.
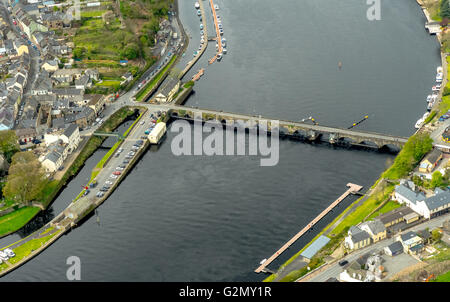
<point>300,130</point>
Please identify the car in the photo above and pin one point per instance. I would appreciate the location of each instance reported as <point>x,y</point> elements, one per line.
<point>100,194</point>
<point>142,123</point>
<point>113,176</point>
<point>128,157</point>
<point>343,262</point>
<point>123,166</point>
<point>119,169</point>
<point>131,153</point>
<point>9,252</point>
<point>86,192</point>
<point>116,173</point>
<point>144,137</point>
<point>108,182</point>
<point>126,161</point>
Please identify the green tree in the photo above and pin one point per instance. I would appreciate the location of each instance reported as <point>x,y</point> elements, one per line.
<point>437,179</point>
<point>8,143</point>
<point>436,235</point>
<point>78,52</point>
<point>26,178</point>
<point>445,9</point>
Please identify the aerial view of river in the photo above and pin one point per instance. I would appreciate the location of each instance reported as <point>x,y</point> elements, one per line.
<point>200,218</point>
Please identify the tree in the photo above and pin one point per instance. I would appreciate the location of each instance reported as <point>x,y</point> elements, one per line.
<point>26,178</point>
<point>8,143</point>
<point>78,52</point>
<point>445,9</point>
<point>436,235</point>
<point>436,179</point>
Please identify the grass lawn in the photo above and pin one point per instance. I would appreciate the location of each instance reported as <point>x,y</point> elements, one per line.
<point>443,278</point>
<point>389,206</point>
<point>25,249</point>
<point>143,93</point>
<point>17,219</point>
<point>92,14</point>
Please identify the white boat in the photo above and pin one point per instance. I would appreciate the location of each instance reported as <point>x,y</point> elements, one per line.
<point>216,7</point>
<point>219,57</point>
<point>440,69</point>
<point>419,123</point>
<point>199,13</point>
<point>439,77</point>
<point>224,50</point>
<point>197,5</point>
<point>435,88</point>
<point>429,98</point>
<point>430,106</point>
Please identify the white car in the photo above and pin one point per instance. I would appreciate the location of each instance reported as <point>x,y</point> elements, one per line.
<point>119,169</point>
<point>113,176</point>
<point>9,252</point>
<point>108,182</point>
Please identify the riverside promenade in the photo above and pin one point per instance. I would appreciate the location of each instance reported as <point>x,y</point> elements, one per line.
<point>352,189</point>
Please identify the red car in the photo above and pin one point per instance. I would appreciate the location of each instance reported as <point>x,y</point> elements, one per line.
<point>116,173</point>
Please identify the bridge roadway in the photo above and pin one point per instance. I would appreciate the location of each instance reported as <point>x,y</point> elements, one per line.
<point>311,132</point>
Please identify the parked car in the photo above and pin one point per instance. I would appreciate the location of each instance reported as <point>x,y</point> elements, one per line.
<point>113,176</point>
<point>9,252</point>
<point>100,194</point>
<point>123,166</point>
<point>126,161</point>
<point>119,169</point>
<point>116,173</point>
<point>343,262</point>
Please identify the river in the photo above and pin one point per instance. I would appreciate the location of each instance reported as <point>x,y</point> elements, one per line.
<point>199,218</point>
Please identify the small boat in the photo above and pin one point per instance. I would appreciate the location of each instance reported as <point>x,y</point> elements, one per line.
<point>224,40</point>
<point>224,50</point>
<point>201,26</point>
<point>216,7</point>
<point>439,77</point>
<point>419,123</point>
<point>197,5</point>
<point>219,57</point>
<point>440,69</point>
<point>195,53</point>
<point>221,33</point>
<point>430,106</point>
<point>434,88</point>
<point>199,13</point>
<point>429,98</point>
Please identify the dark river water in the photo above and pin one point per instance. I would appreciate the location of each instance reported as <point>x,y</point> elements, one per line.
<point>200,218</point>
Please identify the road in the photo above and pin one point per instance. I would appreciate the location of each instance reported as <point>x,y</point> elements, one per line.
<point>335,269</point>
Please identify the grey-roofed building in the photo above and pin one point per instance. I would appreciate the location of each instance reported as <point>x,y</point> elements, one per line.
<point>394,249</point>
<point>52,161</point>
<point>357,239</point>
<point>375,228</point>
<point>311,250</point>
<point>67,93</point>
<point>169,90</point>
<point>58,123</point>
<point>438,204</point>
<point>395,216</point>
<point>430,161</point>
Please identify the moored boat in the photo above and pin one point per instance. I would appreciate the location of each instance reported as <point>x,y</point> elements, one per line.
<point>197,5</point>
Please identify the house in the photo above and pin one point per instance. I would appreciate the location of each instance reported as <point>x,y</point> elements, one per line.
<point>50,65</point>
<point>127,78</point>
<point>66,75</point>
<point>67,93</point>
<point>93,74</point>
<point>26,135</point>
<point>20,47</point>
<point>375,229</point>
<point>359,270</point>
<point>71,137</point>
<point>43,84</point>
<point>357,238</point>
<point>430,162</point>
<point>168,91</point>
<point>425,235</point>
<point>83,82</point>
<point>84,118</point>
<point>96,102</point>
<point>394,249</point>
<point>52,161</point>
<point>411,242</point>
<point>6,117</point>
<point>396,216</point>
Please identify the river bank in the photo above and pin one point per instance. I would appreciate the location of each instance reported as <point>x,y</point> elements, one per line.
<point>362,208</point>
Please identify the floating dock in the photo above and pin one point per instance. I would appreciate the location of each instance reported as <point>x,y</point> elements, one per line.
<point>198,75</point>
<point>352,189</point>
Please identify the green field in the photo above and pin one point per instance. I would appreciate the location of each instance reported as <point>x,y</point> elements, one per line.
<point>17,219</point>
<point>25,249</point>
<point>443,278</point>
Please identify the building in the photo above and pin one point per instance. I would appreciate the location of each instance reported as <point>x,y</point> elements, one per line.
<point>394,249</point>
<point>311,250</point>
<point>52,162</point>
<point>411,242</point>
<point>430,162</point>
<point>397,216</point>
<point>357,238</point>
<point>430,207</point>
<point>168,91</point>
<point>96,102</point>
<point>26,135</point>
<point>71,137</point>
<point>375,229</point>
<point>50,65</point>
